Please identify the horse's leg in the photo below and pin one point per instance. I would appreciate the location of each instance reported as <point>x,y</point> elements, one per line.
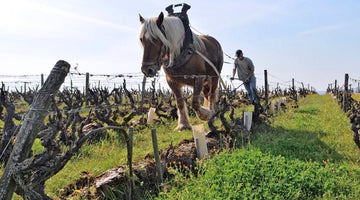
<point>206,91</point>
<point>213,93</point>
<point>201,112</point>
<point>183,121</point>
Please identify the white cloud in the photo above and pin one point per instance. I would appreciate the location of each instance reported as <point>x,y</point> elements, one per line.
<point>27,18</point>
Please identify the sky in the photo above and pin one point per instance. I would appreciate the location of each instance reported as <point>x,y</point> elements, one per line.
<point>314,42</point>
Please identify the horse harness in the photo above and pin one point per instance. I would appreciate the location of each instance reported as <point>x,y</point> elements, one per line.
<point>186,54</point>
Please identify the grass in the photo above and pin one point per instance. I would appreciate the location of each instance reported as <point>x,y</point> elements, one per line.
<point>252,174</point>
<point>318,129</point>
<point>356,96</point>
<point>304,153</point>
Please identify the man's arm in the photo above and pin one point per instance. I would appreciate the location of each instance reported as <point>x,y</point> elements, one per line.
<point>234,71</point>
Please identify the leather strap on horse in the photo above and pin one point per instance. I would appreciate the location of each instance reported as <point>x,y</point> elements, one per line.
<point>182,59</point>
<point>213,66</point>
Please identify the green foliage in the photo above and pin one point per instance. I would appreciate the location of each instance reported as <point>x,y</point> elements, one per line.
<point>356,96</point>
<point>251,174</point>
<point>37,147</point>
<point>303,153</point>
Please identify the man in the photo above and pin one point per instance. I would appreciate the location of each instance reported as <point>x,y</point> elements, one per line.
<point>245,69</point>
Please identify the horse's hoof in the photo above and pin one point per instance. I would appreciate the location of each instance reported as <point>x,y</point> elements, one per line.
<point>203,117</point>
<point>204,114</point>
<point>182,127</point>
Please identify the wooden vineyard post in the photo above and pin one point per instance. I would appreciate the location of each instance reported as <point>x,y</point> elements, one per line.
<point>266,88</point>
<point>293,89</point>
<point>157,157</point>
<point>42,80</point>
<point>346,90</point>
<point>143,94</point>
<point>303,87</point>
<point>31,126</point>
<point>87,87</point>
<point>336,91</point>
<point>130,155</point>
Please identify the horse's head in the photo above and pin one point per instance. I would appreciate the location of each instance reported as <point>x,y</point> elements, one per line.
<point>152,39</point>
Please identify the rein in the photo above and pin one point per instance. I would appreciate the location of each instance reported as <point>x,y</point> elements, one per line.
<point>213,66</point>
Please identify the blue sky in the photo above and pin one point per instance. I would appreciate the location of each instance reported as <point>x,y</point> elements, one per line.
<point>314,42</point>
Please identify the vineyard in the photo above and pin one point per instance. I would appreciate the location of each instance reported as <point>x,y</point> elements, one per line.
<point>100,142</point>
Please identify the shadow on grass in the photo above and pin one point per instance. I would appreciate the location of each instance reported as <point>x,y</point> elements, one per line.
<point>294,144</point>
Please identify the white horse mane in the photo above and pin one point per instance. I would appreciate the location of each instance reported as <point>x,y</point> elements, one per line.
<point>174,35</point>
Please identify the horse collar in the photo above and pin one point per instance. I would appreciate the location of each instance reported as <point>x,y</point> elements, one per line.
<point>183,58</point>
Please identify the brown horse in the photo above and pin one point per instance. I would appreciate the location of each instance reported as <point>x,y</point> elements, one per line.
<point>162,39</point>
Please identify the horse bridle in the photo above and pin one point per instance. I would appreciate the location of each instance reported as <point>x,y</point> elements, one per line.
<point>159,61</point>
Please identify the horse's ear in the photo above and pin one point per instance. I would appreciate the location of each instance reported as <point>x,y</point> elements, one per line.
<point>142,20</point>
<point>160,19</point>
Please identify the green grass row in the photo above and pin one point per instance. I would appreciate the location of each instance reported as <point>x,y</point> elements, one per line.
<point>356,96</point>
<point>304,153</point>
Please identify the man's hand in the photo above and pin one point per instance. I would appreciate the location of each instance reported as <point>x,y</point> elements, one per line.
<point>232,78</point>
<point>247,80</point>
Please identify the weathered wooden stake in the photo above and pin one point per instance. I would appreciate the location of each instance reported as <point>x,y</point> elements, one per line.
<point>335,85</point>
<point>87,87</point>
<point>346,90</point>
<point>42,80</point>
<point>293,88</point>
<point>266,88</point>
<point>31,126</point>
<point>130,155</point>
<point>157,157</point>
<point>143,93</point>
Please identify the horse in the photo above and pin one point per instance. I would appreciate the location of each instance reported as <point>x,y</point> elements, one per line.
<point>198,67</point>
